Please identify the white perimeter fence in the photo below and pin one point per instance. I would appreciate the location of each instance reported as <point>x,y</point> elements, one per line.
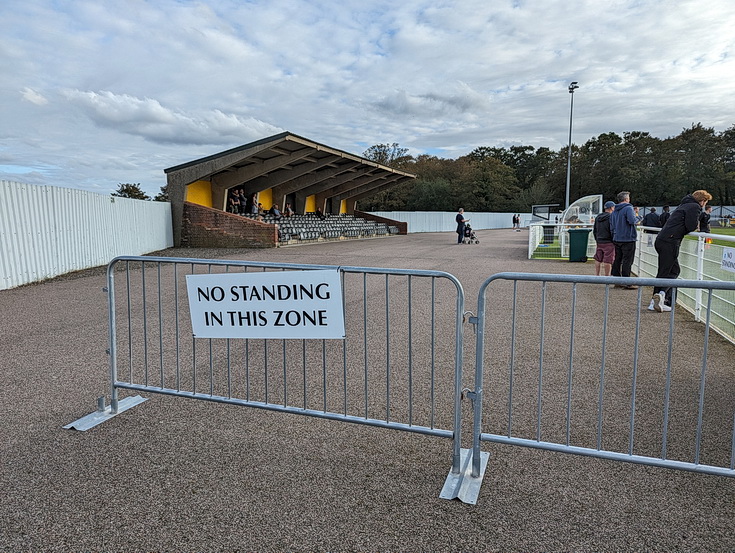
<point>46,231</point>
<point>444,221</point>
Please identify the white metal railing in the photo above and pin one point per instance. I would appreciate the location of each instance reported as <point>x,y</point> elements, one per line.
<point>699,260</point>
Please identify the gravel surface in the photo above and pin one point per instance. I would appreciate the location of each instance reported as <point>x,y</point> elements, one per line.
<point>180,475</point>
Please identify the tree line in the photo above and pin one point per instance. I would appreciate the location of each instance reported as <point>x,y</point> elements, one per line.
<point>656,172</point>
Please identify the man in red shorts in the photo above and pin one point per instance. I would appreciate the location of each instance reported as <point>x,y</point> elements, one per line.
<point>605,252</point>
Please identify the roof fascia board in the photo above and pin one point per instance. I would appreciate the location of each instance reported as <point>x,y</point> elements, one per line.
<point>209,165</point>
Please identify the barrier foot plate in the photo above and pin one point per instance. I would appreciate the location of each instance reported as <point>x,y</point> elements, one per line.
<point>463,486</point>
<point>101,415</point>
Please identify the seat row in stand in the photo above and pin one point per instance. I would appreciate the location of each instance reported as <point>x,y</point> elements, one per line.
<point>310,228</point>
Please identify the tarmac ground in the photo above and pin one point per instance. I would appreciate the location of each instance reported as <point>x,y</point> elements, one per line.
<point>174,474</point>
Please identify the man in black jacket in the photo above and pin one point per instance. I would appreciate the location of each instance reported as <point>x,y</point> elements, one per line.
<point>704,219</point>
<point>682,221</point>
<point>605,252</point>
<point>651,219</point>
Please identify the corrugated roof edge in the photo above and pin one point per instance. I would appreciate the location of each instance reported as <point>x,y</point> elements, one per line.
<point>276,138</point>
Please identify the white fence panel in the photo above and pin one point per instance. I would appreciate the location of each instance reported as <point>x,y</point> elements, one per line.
<point>442,221</point>
<point>46,231</point>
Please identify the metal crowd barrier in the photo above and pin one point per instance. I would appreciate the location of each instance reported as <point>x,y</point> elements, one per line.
<point>566,363</point>
<point>630,393</point>
<point>387,371</point>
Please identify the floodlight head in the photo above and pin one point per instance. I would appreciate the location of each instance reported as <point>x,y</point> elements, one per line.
<point>572,86</point>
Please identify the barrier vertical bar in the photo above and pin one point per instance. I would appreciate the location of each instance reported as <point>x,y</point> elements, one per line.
<point>667,386</point>
<point>410,356</point>
<point>112,332</point>
<point>571,363</point>
<point>433,352</point>
<point>512,357</point>
<point>601,395</point>
<point>541,363</point>
<point>344,348</point>
<point>176,323</point>
<point>634,384</point>
<point>700,276</point>
<point>285,374</point>
<point>477,398</point>
<point>387,350</point>
<point>145,323</point>
<point>364,340</point>
<point>303,369</point>
<point>130,323</point>
<point>160,327</point>
<point>459,348</point>
<point>703,373</point>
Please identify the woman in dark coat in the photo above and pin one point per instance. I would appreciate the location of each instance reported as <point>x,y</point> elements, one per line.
<point>683,220</point>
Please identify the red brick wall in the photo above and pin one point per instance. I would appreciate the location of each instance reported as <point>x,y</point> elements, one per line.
<point>204,227</point>
<point>401,225</point>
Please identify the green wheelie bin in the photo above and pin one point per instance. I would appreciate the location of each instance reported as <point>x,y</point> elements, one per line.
<point>578,238</point>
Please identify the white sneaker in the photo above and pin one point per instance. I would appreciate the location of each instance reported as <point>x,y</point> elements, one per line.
<point>650,306</point>
<point>658,303</point>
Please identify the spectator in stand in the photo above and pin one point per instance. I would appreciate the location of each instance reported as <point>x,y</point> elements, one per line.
<point>605,252</point>
<point>275,211</point>
<point>261,211</point>
<point>320,214</point>
<point>233,202</point>
<point>249,203</point>
<point>287,211</point>
<point>704,219</point>
<point>243,203</point>
<point>683,220</point>
<point>651,220</point>
<point>664,216</point>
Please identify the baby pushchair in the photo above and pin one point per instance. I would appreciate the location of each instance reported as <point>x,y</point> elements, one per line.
<point>469,235</point>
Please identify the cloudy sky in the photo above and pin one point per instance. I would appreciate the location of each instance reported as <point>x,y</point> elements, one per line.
<point>100,92</point>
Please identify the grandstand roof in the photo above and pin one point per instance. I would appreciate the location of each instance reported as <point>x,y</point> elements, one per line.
<point>286,164</point>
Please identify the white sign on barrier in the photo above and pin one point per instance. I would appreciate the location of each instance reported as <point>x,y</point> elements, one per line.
<point>728,259</point>
<point>283,304</point>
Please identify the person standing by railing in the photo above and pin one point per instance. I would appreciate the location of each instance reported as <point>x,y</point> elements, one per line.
<point>704,219</point>
<point>651,219</point>
<point>605,251</point>
<point>625,235</point>
<point>682,221</point>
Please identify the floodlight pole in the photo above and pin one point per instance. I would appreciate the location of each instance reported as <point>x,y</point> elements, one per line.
<point>572,87</point>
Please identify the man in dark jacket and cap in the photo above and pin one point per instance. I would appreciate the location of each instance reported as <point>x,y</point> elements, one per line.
<point>683,220</point>
<point>605,252</point>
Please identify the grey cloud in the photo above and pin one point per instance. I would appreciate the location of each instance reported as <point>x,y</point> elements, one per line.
<point>148,119</point>
<point>433,104</point>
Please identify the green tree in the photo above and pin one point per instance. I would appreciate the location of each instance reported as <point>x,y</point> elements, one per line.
<point>493,186</point>
<point>162,196</point>
<point>702,157</point>
<point>131,190</point>
<point>391,155</point>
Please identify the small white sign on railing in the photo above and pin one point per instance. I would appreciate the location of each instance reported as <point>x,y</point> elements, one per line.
<point>283,304</point>
<point>728,259</point>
